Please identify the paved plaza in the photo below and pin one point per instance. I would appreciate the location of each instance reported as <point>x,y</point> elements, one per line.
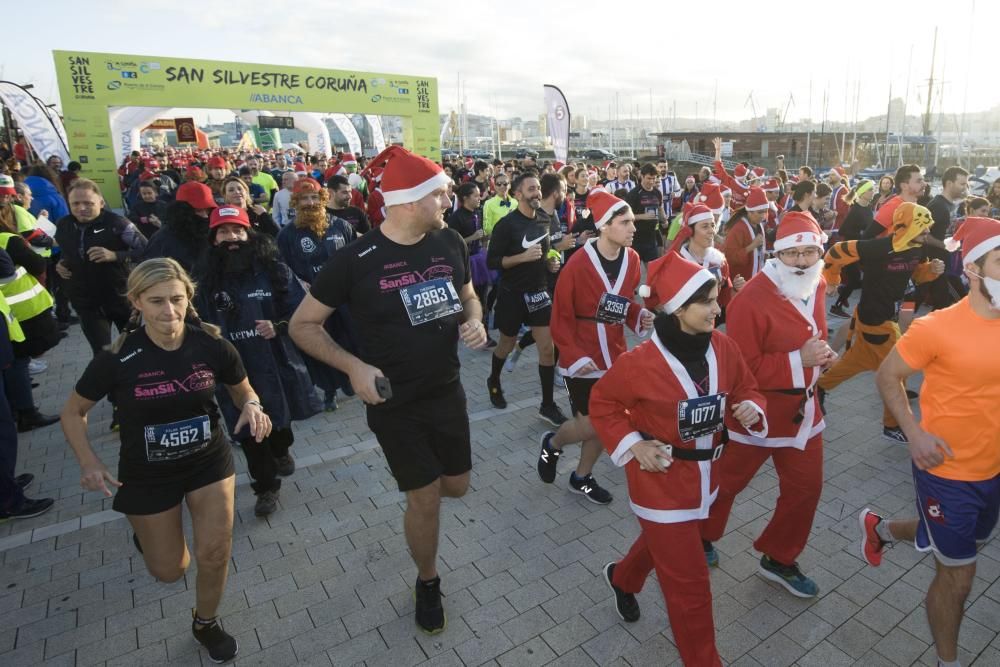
<point>327,579</point>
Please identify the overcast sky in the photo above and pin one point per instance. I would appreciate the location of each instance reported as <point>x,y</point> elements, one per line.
<point>505,51</point>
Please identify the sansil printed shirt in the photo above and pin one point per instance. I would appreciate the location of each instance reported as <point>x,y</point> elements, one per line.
<point>153,387</point>
<point>367,277</point>
<point>961,390</point>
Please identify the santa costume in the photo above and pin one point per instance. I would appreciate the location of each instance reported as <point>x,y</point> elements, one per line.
<point>771,327</point>
<point>741,233</point>
<point>681,390</point>
<point>714,260</point>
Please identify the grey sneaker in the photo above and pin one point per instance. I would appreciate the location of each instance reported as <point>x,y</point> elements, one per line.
<point>267,503</point>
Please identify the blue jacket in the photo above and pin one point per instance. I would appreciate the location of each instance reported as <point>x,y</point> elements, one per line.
<point>274,367</point>
<point>45,196</point>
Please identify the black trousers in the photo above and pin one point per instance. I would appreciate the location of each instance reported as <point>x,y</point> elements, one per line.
<point>96,321</point>
<point>261,458</point>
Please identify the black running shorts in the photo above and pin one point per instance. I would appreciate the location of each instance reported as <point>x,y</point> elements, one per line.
<point>579,394</point>
<point>511,312</point>
<point>148,495</point>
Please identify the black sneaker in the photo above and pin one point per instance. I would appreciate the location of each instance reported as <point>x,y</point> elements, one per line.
<point>895,434</point>
<point>548,458</point>
<point>221,645</point>
<point>838,311</point>
<point>31,508</point>
<point>429,613</point>
<point>267,503</point>
<point>24,480</point>
<point>285,465</point>
<point>625,603</point>
<point>789,576</point>
<point>29,420</point>
<point>552,414</point>
<point>589,487</point>
<point>330,403</point>
<point>496,393</point>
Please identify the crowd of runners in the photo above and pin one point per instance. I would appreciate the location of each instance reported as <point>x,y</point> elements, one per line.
<point>686,316</point>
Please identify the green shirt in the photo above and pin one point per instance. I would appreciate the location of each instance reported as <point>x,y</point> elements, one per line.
<point>494,209</point>
<point>267,182</point>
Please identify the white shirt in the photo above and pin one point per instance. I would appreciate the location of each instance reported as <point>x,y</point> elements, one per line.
<point>281,209</point>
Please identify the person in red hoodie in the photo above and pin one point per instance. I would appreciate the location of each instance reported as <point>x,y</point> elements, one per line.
<point>590,310</point>
<point>779,322</point>
<point>662,410</point>
<point>745,236</point>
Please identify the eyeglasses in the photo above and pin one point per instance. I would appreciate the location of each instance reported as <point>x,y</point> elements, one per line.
<point>501,183</point>
<point>811,253</point>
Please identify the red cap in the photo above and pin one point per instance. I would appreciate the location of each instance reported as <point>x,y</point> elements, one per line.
<point>216,162</point>
<point>672,280</point>
<point>798,228</point>
<point>229,215</point>
<point>306,185</point>
<point>198,195</point>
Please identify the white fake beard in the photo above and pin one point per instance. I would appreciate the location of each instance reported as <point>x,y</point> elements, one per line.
<point>796,283</point>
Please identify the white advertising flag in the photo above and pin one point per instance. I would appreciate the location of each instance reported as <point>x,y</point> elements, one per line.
<point>557,121</point>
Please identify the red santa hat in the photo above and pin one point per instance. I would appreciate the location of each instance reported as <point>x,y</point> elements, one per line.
<point>740,171</point>
<point>798,228</point>
<point>348,159</point>
<point>229,215</point>
<point>772,185</point>
<point>603,206</point>
<point>557,165</point>
<point>976,237</point>
<point>407,177</point>
<point>758,173</point>
<point>671,282</point>
<point>693,213</point>
<point>756,200</point>
<point>841,172</point>
<point>711,196</point>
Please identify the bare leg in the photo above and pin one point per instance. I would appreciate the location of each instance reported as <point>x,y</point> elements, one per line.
<point>945,600</point>
<point>163,547</point>
<point>590,451</point>
<point>840,338</point>
<point>903,530</point>
<point>212,509</point>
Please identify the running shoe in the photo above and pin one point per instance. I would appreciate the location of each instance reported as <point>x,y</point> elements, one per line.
<point>711,555</point>
<point>872,545</point>
<point>558,380</point>
<point>894,434</point>
<point>625,603</point>
<point>548,458</point>
<point>552,414</point>
<point>24,480</point>
<point>512,359</point>
<point>490,343</point>
<point>31,508</point>
<point>588,486</point>
<point>838,311</point>
<point>36,366</point>
<point>330,403</point>
<point>267,503</point>
<point>221,646</point>
<point>285,465</point>
<point>429,612</point>
<point>496,393</point>
<point>789,576</point>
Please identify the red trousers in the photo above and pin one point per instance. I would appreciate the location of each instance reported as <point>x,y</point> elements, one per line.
<point>800,482</point>
<point>674,549</point>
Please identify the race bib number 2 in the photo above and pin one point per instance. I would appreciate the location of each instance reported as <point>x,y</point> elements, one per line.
<point>430,300</point>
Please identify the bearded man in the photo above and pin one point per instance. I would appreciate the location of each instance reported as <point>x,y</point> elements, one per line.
<point>306,245</point>
<point>778,320</point>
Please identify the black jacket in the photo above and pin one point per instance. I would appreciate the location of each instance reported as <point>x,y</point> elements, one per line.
<point>94,283</point>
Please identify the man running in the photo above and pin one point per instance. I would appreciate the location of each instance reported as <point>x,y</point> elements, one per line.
<point>409,290</point>
<point>955,446</point>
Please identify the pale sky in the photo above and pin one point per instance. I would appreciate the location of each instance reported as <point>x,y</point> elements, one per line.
<point>505,51</point>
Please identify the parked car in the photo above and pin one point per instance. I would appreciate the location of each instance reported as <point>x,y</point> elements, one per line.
<point>477,154</point>
<point>597,154</point>
<point>522,153</point>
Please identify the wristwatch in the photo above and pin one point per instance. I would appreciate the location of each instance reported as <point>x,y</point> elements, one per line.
<point>253,401</point>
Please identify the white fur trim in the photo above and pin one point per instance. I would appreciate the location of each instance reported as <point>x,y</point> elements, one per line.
<point>689,288</point>
<point>796,240</point>
<point>798,372</point>
<point>580,363</point>
<point>417,192</point>
<point>623,452</point>
<point>760,432</point>
<point>980,249</point>
<point>700,217</point>
<point>762,207</point>
<point>610,213</point>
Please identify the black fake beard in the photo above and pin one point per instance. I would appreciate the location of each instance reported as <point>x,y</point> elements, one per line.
<point>236,256</point>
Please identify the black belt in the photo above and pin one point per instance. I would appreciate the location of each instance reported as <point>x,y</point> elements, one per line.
<point>694,454</point>
<point>806,395</point>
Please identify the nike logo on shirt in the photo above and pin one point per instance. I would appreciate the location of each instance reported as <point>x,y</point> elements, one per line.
<point>525,243</point>
<point>98,231</point>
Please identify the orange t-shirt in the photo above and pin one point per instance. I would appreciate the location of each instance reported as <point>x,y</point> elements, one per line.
<point>960,398</point>
<point>884,215</point>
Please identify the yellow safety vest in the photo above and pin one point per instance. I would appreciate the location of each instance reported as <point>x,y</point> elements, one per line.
<point>25,296</point>
<point>13,326</point>
<point>27,223</point>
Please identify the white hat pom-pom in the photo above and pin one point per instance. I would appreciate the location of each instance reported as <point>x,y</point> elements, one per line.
<point>644,291</point>
<point>951,245</point>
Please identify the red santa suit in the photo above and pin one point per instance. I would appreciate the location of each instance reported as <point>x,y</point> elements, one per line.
<point>646,394</point>
<point>770,329</point>
<point>739,236</point>
<point>576,328</point>
<point>376,207</point>
<point>716,264</point>
<point>737,185</point>
<point>839,205</point>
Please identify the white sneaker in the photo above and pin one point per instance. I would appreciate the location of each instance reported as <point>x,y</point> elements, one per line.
<point>512,359</point>
<point>36,366</point>
<point>559,380</point>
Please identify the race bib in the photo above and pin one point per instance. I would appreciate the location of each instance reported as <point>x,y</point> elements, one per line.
<point>697,417</point>
<point>430,300</point>
<point>652,210</point>
<point>177,440</point>
<point>537,300</point>
<point>612,309</point>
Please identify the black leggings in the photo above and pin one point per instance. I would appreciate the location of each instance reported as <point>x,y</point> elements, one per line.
<point>261,463</point>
